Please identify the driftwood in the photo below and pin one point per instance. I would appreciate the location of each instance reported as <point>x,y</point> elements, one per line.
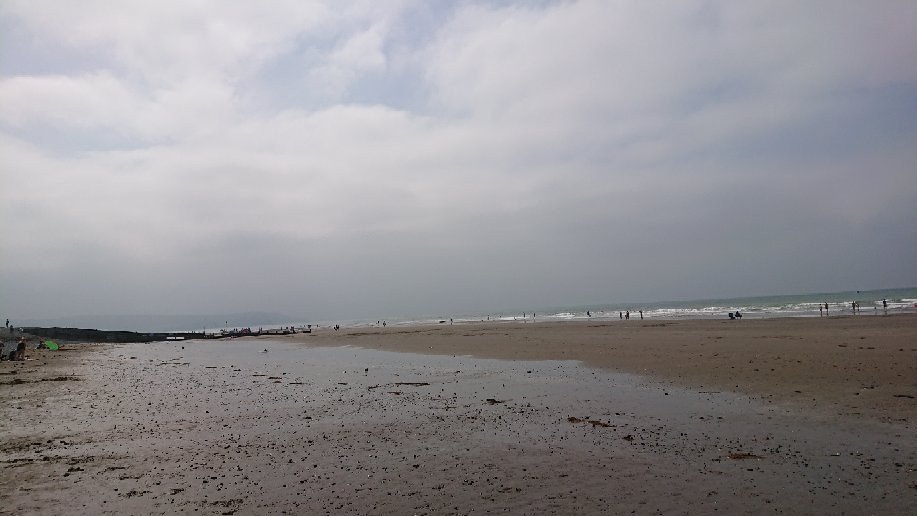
<point>743,456</point>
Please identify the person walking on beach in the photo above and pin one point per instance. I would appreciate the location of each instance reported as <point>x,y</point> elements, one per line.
<point>641,315</point>
<point>621,315</point>
<point>826,309</point>
<point>884,307</point>
<point>627,315</point>
<point>821,310</point>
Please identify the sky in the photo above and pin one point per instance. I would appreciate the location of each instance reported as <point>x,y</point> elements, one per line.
<point>347,159</point>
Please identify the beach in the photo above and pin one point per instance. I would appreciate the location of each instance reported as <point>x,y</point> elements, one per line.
<point>799,415</point>
<point>854,365</point>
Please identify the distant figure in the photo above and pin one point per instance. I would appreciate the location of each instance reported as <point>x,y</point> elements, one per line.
<point>884,307</point>
<point>627,315</point>
<point>826,309</point>
<point>383,324</point>
<point>450,320</point>
<point>641,315</point>
<point>738,314</point>
<point>620,315</point>
<point>588,313</point>
<point>853,307</point>
<point>821,310</point>
<point>20,350</point>
<point>732,316</point>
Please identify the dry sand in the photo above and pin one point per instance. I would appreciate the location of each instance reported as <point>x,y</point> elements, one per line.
<point>789,415</point>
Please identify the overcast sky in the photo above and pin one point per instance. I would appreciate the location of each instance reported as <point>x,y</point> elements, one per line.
<point>380,158</point>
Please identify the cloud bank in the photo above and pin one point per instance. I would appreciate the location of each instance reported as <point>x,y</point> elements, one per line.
<point>336,159</point>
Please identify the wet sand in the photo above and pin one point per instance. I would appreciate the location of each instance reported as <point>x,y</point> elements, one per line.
<point>673,417</point>
<point>864,365</point>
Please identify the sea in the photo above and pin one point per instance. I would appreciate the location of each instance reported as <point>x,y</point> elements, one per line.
<point>869,302</point>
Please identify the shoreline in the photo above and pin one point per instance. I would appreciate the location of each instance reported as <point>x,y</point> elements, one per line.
<point>851,365</point>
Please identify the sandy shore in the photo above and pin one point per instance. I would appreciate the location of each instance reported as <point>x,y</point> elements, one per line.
<point>793,415</point>
<point>863,365</point>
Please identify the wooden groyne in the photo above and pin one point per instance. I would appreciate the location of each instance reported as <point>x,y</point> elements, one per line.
<point>114,336</point>
<point>123,336</point>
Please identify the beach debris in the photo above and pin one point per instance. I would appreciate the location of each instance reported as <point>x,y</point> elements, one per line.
<point>17,381</point>
<point>493,401</point>
<point>628,437</point>
<point>743,456</point>
<point>414,384</point>
<point>593,422</point>
<point>904,396</point>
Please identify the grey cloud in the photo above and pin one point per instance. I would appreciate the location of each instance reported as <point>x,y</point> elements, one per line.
<point>517,155</point>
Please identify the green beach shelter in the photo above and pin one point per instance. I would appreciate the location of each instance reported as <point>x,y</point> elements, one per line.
<point>51,345</point>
